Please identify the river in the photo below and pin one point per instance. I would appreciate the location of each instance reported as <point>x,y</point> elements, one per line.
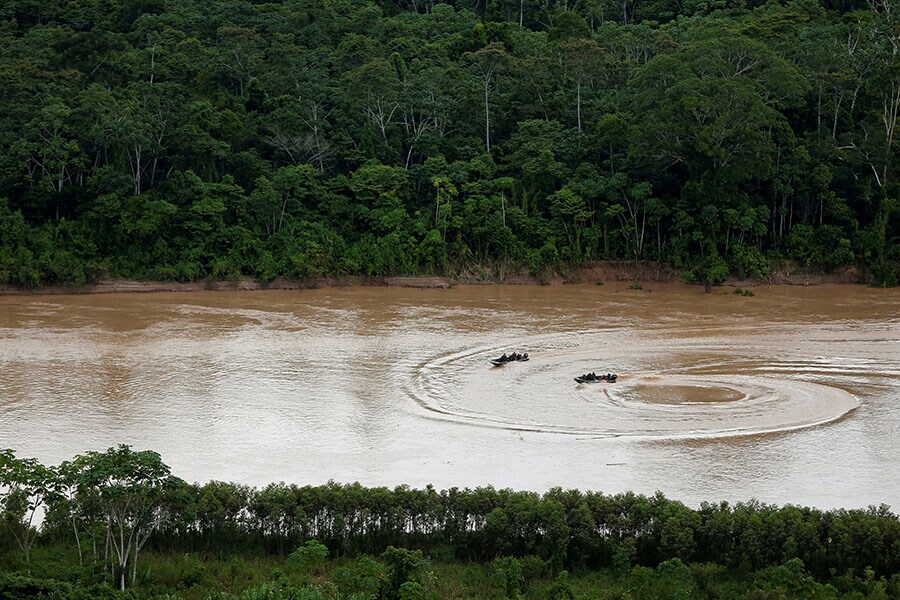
<point>789,396</point>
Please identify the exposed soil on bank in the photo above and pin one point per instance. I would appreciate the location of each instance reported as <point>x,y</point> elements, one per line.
<point>598,272</point>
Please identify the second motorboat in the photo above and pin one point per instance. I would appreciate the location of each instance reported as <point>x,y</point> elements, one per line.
<point>594,378</point>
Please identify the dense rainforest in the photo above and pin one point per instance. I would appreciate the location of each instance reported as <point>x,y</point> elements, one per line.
<point>214,139</point>
<point>118,525</point>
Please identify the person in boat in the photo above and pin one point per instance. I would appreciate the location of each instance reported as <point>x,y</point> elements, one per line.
<point>504,358</point>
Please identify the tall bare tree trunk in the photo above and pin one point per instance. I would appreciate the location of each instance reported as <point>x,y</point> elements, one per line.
<point>578,104</point>
<point>487,114</point>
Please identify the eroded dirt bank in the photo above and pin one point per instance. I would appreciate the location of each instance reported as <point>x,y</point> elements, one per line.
<point>597,272</point>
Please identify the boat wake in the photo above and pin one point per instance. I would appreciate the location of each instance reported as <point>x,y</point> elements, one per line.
<point>698,394</point>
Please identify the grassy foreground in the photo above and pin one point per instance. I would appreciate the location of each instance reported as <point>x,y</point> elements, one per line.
<point>308,573</point>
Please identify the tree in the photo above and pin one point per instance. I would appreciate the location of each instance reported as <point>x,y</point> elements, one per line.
<point>581,57</point>
<point>49,149</point>
<point>380,191</point>
<point>290,190</point>
<point>712,108</point>
<point>489,61</point>
<point>583,60</point>
<point>572,212</point>
<point>240,55</point>
<point>130,488</point>
<point>628,202</point>
<point>25,488</point>
<point>534,157</point>
<point>427,101</point>
<point>375,90</point>
<point>299,126</point>
<point>445,192</point>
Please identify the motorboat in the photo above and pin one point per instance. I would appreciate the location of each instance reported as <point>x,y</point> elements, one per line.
<point>508,358</point>
<point>594,378</point>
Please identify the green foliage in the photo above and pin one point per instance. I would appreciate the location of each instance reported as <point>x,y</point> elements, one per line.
<point>15,587</point>
<point>509,576</point>
<point>272,591</point>
<point>791,580</point>
<point>192,141</point>
<point>309,558</point>
<point>710,271</point>
<point>544,259</point>
<point>412,590</point>
<point>26,486</point>
<point>362,579</point>
<point>677,577</point>
<point>561,589</point>
<point>562,544</point>
<point>408,572</point>
<point>750,262</point>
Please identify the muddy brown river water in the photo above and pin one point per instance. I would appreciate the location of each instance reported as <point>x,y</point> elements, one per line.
<point>789,396</point>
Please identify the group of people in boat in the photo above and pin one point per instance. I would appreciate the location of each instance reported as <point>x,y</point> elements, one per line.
<point>512,356</point>
<point>594,377</point>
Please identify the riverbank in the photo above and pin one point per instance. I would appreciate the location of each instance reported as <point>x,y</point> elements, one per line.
<point>593,273</point>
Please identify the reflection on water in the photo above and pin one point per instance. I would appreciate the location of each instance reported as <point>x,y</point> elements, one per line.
<point>789,396</point>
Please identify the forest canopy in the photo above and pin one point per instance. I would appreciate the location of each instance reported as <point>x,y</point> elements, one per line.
<point>184,140</point>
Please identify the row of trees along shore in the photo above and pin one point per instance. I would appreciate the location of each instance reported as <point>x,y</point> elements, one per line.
<point>192,139</point>
<point>110,506</point>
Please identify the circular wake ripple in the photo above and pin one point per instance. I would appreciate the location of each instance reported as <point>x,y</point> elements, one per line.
<point>540,395</point>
